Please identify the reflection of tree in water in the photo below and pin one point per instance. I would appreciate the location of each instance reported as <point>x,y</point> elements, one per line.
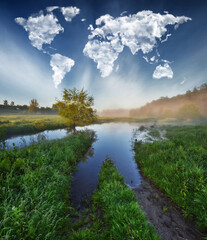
<point>41,137</point>
<point>92,134</point>
<point>89,154</point>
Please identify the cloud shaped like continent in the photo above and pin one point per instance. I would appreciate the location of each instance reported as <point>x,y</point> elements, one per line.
<point>163,71</point>
<point>42,28</point>
<point>138,32</point>
<point>69,13</point>
<point>60,66</point>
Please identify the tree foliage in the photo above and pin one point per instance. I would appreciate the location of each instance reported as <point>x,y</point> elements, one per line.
<point>34,105</point>
<point>76,107</point>
<point>5,102</point>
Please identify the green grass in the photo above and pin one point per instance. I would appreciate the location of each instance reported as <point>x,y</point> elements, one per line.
<point>35,188</point>
<point>11,125</point>
<point>179,167</point>
<point>115,211</point>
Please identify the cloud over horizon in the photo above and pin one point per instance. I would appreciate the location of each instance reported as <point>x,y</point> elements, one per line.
<point>60,66</point>
<point>138,32</point>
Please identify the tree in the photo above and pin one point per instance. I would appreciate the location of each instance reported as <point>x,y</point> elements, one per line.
<point>34,105</point>
<point>5,103</point>
<point>12,103</point>
<point>76,108</point>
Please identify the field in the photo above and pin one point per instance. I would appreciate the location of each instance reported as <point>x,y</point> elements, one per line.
<point>35,188</point>
<point>179,167</point>
<point>11,125</point>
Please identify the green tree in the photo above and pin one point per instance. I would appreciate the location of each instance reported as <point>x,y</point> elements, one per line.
<point>5,103</point>
<point>34,105</point>
<point>12,103</point>
<point>76,108</point>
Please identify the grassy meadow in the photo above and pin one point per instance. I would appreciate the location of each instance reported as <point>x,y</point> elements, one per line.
<point>35,188</point>
<point>11,125</point>
<point>179,167</point>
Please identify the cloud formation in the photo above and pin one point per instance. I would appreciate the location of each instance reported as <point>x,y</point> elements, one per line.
<point>163,71</point>
<point>69,12</point>
<point>139,32</point>
<point>42,28</point>
<point>51,8</point>
<point>60,65</point>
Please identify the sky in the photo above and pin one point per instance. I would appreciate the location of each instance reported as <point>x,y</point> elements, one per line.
<point>125,53</point>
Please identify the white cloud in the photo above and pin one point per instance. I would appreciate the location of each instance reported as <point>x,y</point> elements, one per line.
<point>83,20</point>
<point>51,8</point>
<point>163,71</point>
<point>104,54</point>
<point>166,38</point>
<point>42,28</point>
<point>139,31</point>
<point>123,13</point>
<point>152,59</point>
<point>60,65</point>
<point>69,12</point>
<point>184,80</point>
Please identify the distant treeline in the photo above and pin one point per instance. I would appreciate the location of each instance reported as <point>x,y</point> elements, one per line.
<point>32,108</point>
<point>191,105</point>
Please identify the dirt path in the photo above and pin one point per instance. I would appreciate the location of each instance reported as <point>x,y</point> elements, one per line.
<point>168,221</point>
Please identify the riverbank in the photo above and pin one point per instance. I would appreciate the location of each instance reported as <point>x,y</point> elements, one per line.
<point>13,125</point>
<point>114,212</point>
<point>178,167</point>
<point>35,188</point>
<point>164,214</point>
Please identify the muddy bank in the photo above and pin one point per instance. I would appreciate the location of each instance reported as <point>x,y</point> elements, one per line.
<point>168,221</point>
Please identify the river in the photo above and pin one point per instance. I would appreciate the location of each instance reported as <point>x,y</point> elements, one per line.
<point>114,140</point>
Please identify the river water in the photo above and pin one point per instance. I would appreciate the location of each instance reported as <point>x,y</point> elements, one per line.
<point>114,141</point>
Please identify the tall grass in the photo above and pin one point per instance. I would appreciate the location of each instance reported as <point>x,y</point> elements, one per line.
<point>116,214</point>
<point>35,188</point>
<point>179,167</point>
<point>27,124</point>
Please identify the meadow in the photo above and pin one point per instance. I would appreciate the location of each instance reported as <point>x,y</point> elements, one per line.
<point>178,166</point>
<point>11,125</point>
<point>35,188</point>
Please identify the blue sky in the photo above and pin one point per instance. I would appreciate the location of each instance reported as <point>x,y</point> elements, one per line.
<point>125,59</point>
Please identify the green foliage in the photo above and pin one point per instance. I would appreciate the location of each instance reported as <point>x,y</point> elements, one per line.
<point>179,167</point>
<point>115,212</point>
<point>34,105</point>
<point>76,107</point>
<point>14,125</point>
<point>35,188</point>
<point>190,105</point>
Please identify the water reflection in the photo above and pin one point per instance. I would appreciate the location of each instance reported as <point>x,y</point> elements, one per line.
<point>114,142</point>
